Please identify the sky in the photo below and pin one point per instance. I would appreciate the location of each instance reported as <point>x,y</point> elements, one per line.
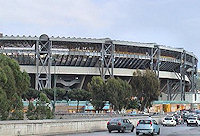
<point>174,23</point>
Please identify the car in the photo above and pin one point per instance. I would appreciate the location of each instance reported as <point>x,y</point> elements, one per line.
<point>193,120</point>
<point>119,124</point>
<point>185,115</point>
<point>169,121</point>
<point>147,126</point>
<point>133,113</point>
<point>144,113</point>
<point>179,119</point>
<point>155,113</point>
<point>197,112</point>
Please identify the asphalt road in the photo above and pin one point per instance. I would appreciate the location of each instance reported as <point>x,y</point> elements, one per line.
<point>179,130</point>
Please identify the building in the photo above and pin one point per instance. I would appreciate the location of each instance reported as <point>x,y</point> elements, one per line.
<point>71,62</point>
<point>170,106</point>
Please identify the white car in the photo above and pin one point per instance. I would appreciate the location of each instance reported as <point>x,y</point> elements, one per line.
<point>169,121</point>
<point>147,126</point>
<point>193,120</point>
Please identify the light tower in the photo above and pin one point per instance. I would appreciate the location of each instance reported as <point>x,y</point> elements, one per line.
<point>43,62</point>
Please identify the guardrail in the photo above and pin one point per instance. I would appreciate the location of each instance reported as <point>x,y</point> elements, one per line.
<point>64,115</point>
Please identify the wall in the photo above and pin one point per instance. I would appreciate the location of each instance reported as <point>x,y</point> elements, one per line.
<point>94,71</point>
<point>45,127</point>
<point>189,96</point>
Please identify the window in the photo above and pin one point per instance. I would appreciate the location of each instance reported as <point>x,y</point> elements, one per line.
<point>192,118</point>
<point>115,120</point>
<point>124,121</point>
<point>145,121</point>
<point>154,122</point>
<point>168,118</point>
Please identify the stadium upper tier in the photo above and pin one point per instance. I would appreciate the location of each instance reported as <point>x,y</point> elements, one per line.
<point>86,52</point>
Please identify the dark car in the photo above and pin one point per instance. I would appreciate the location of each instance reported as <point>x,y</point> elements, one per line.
<point>120,125</point>
<point>179,119</point>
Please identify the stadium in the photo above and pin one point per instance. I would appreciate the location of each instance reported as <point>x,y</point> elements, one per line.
<point>71,62</point>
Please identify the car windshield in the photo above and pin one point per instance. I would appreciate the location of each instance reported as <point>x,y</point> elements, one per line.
<point>192,118</point>
<point>168,118</point>
<point>145,121</point>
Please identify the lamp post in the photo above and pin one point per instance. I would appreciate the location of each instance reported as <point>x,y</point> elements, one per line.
<point>54,88</point>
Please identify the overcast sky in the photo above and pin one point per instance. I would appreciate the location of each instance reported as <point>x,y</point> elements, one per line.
<point>174,23</point>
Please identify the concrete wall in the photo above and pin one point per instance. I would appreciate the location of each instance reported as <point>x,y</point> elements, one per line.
<point>189,96</point>
<point>94,71</point>
<point>45,127</point>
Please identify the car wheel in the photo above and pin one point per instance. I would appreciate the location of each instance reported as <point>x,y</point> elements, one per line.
<point>137,133</point>
<point>123,130</point>
<point>118,131</point>
<point>152,134</point>
<point>158,132</point>
<point>109,131</point>
<point>132,129</point>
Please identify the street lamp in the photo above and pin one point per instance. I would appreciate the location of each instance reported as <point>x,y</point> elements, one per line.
<point>54,88</point>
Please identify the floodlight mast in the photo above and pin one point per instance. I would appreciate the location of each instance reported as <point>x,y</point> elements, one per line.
<point>43,62</point>
<point>107,59</point>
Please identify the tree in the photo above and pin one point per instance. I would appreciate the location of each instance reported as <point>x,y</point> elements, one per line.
<point>31,94</point>
<point>79,95</point>
<point>133,104</point>
<point>146,87</point>
<point>22,82</point>
<point>3,78</point>
<point>118,92</point>
<point>31,111</point>
<point>17,81</point>
<point>60,93</point>
<point>13,83</point>
<point>4,105</point>
<point>98,92</point>
<point>17,108</point>
<point>43,110</point>
<point>10,87</point>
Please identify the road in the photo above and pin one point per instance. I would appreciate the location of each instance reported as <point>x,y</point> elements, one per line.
<point>179,130</point>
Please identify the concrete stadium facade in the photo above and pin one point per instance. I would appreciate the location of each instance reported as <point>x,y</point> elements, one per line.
<point>71,62</point>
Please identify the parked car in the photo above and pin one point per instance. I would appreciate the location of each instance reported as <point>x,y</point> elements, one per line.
<point>120,124</point>
<point>193,120</point>
<point>147,126</point>
<point>169,121</point>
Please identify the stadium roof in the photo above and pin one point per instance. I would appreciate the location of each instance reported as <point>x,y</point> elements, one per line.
<point>94,40</point>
